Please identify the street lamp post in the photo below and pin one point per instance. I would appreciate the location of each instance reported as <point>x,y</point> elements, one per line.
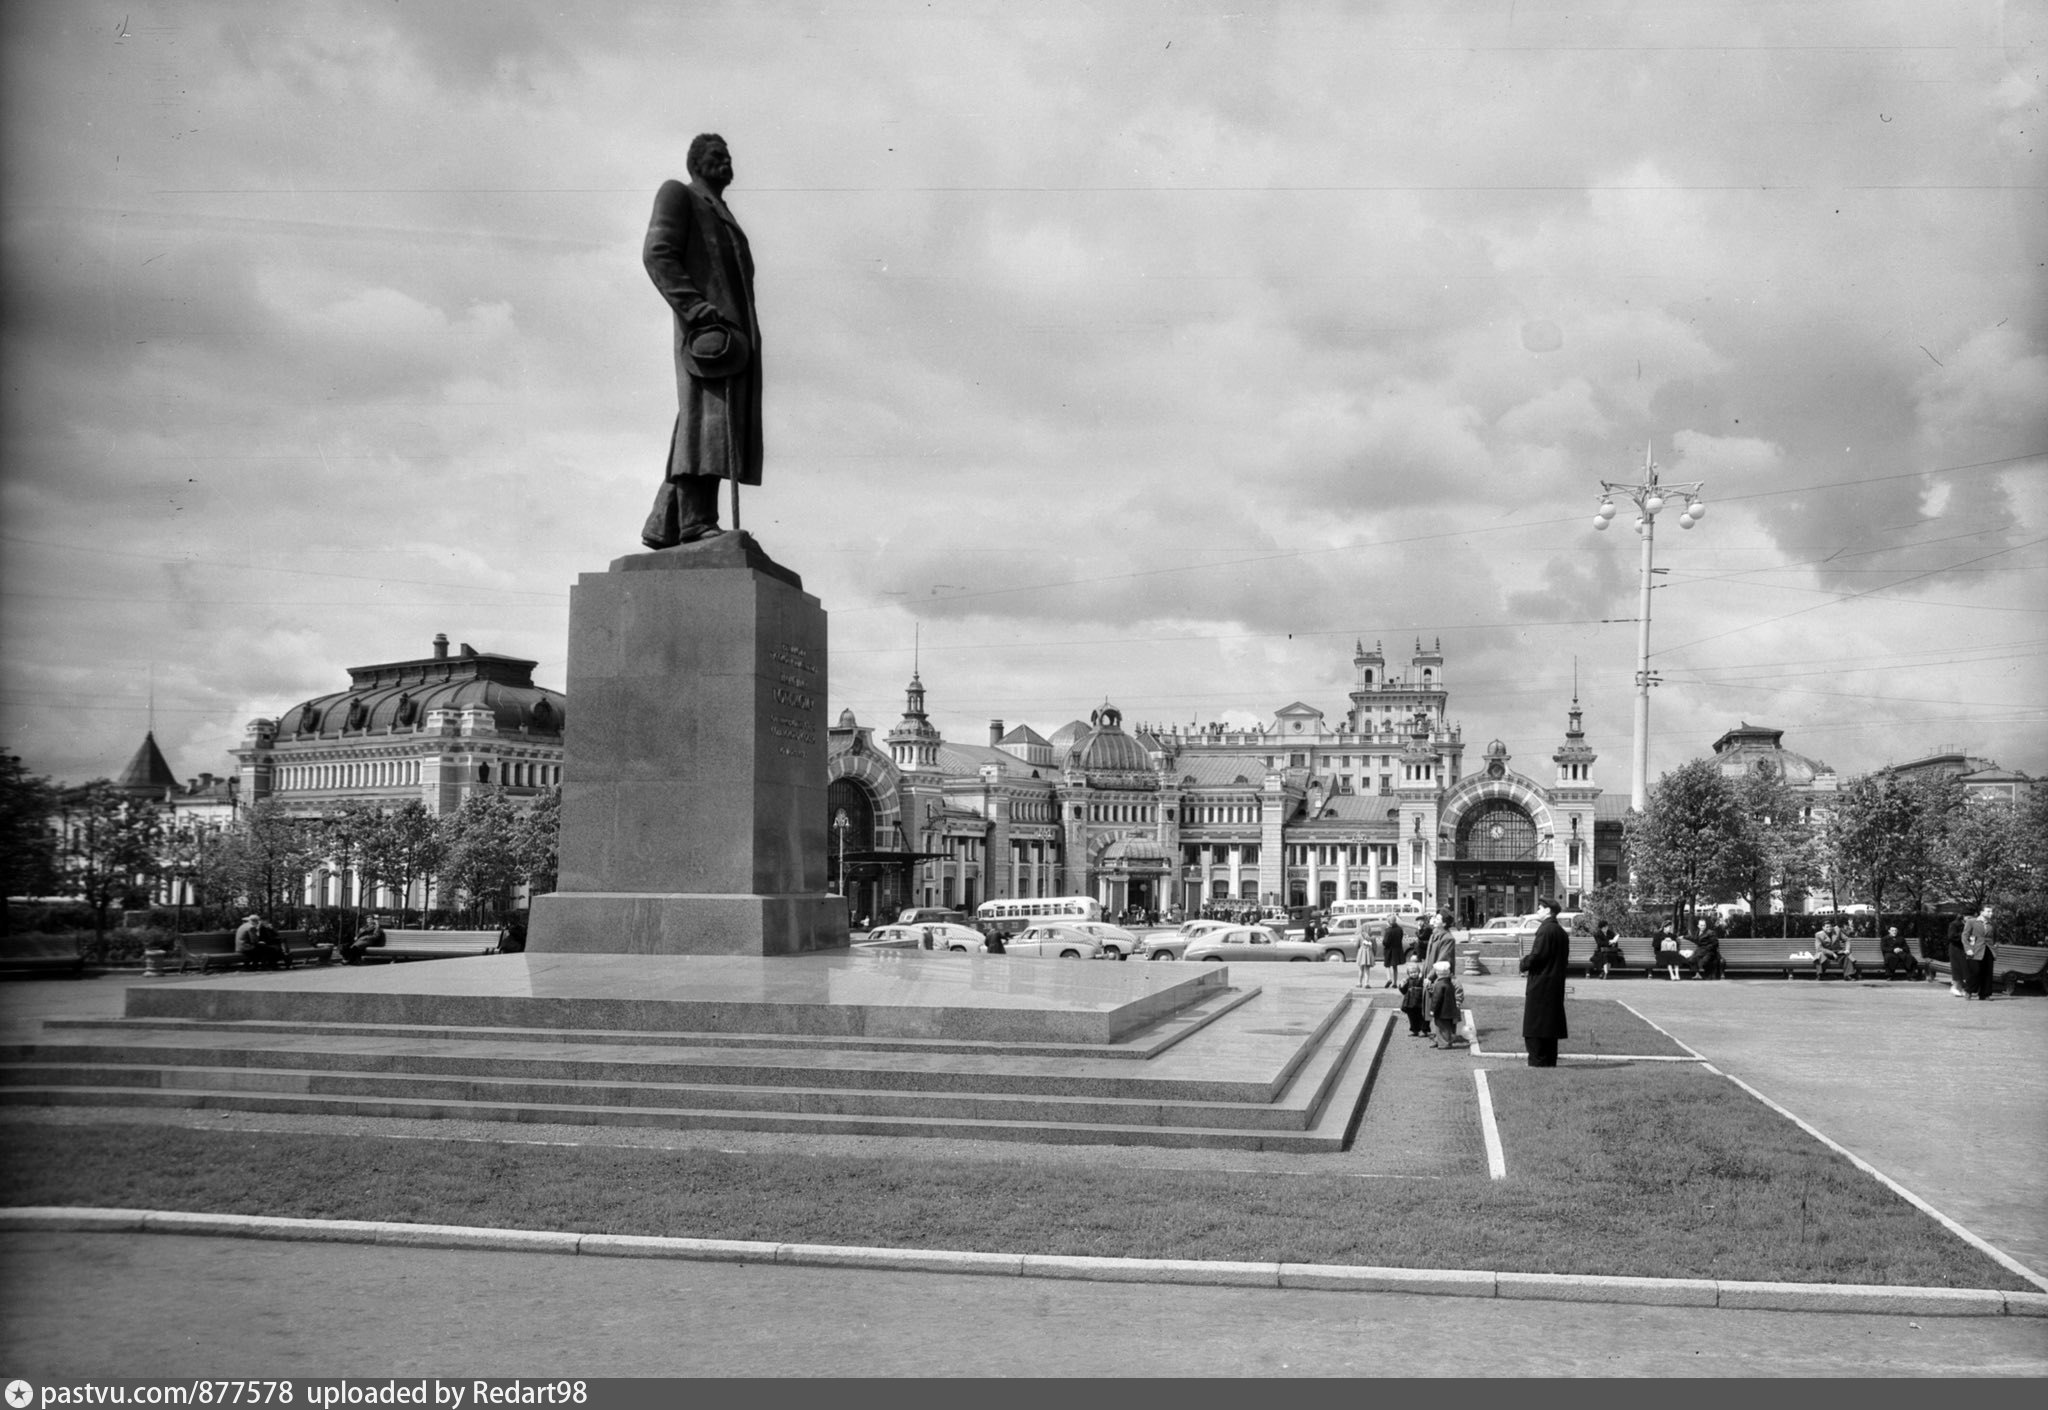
<point>1650,496</point>
<point>840,823</point>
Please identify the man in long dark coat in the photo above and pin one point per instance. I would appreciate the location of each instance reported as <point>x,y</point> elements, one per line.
<point>1543,1009</point>
<point>698,258</point>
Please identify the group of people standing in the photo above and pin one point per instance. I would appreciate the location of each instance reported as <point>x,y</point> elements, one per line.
<point>1424,968</point>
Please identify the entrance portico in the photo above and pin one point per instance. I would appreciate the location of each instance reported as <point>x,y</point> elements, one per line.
<point>1497,856</point>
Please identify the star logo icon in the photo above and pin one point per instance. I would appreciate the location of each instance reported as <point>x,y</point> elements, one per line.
<point>20,1395</point>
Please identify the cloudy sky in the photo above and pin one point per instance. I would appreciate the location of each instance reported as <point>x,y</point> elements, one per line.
<point>1151,352</point>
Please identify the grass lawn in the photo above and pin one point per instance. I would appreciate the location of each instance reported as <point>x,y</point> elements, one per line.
<point>1657,1170</point>
<point>1597,1026</point>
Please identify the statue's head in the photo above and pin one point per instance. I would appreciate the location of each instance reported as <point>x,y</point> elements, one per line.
<point>710,161</point>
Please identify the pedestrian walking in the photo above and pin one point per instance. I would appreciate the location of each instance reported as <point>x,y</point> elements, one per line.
<point>1393,948</point>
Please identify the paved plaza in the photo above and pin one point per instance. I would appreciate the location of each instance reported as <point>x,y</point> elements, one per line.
<point>1943,1096</point>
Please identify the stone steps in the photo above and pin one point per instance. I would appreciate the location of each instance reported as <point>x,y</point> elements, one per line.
<point>1313,1080</point>
<point>1152,1041</point>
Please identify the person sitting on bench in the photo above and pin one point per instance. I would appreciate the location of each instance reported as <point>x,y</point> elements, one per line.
<point>1667,952</point>
<point>1706,956</point>
<point>1606,951</point>
<point>257,943</point>
<point>1898,956</point>
<point>1831,951</point>
<point>370,936</point>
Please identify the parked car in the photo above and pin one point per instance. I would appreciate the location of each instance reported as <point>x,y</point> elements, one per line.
<point>1117,943</point>
<point>1170,947</point>
<point>957,939</point>
<point>1065,942</point>
<point>925,915</point>
<point>1251,942</point>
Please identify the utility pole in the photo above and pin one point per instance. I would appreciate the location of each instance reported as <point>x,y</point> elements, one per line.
<point>1650,496</point>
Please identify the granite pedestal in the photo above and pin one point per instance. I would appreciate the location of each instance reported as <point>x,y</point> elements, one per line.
<point>693,796</point>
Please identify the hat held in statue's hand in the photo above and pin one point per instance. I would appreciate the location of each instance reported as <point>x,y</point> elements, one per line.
<point>715,350</point>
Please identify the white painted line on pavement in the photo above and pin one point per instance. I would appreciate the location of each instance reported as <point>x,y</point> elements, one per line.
<point>1496,1161</point>
<point>1472,1024</point>
<point>1984,1246</point>
<point>1997,1255</point>
<point>1660,1028</point>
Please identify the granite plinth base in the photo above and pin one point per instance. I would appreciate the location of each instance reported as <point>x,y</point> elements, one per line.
<point>693,798</point>
<point>628,923</point>
<point>839,995</point>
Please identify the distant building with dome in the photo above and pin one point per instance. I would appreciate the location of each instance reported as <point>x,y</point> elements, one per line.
<point>434,729</point>
<point>1301,811</point>
<point>1757,751</point>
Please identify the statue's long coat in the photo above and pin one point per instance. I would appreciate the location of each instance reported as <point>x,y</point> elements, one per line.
<point>1543,1009</point>
<point>696,252</point>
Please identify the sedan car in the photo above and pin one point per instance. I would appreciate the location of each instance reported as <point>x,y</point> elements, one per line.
<point>958,939</point>
<point>1065,942</point>
<point>1252,942</point>
<point>1116,942</point>
<point>1171,947</point>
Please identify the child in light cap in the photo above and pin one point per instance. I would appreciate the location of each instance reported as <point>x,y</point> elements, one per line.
<point>1441,1001</point>
<point>1412,996</point>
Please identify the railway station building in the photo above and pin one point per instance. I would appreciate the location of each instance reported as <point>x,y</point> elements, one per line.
<point>1302,810</point>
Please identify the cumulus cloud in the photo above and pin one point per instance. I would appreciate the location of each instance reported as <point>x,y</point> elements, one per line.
<point>1156,354</point>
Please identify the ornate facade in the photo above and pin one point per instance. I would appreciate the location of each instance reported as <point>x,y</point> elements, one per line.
<point>1301,811</point>
<point>433,729</point>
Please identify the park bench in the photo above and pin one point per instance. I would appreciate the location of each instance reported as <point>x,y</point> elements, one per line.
<point>1749,954</point>
<point>401,946</point>
<point>1635,955</point>
<point>2013,966</point>
<point>209,950</point>
<point>1792,955</point>
<point>41,966</point>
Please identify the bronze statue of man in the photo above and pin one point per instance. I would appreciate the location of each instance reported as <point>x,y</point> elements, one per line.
<point>698,258</point>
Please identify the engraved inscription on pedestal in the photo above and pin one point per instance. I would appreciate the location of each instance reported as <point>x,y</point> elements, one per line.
<point>794,724</point>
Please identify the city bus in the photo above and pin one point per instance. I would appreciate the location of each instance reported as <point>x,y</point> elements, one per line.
<point>1013,913</point>
<point>1380,911</point>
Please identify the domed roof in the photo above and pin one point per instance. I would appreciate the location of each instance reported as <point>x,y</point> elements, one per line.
<point>1107,749</point>
<point>1757,749</point>
<point>398,696</point>
<point>1068,733</point>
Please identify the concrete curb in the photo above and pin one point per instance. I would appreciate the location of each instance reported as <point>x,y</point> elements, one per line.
<point>1440,1282</point>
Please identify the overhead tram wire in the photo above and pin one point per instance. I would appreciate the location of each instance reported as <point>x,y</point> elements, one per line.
<point>1517,527</point>
<point>1848,597</point>
<point>188,560</point>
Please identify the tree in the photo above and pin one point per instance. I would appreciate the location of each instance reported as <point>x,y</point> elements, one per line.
<point>1772,856</point>
<point>1982,853</point>
<point>345,832</point>
<point>480,841</point>
<point>198,855</point>
<point>1881,838</point>
<point>540,833</point>
<point>107,850</point>
<point>268,853</point>
<point>403,849</point>
<point>28,848</point>
<point>1681,847</point>
<point>1922,866</point>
